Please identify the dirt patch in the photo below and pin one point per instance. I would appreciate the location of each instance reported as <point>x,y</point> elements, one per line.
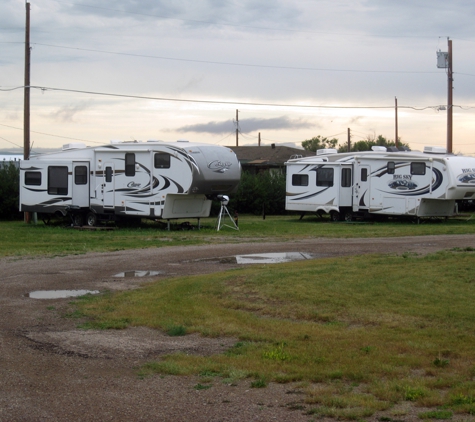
<point>50,370</point>
<point>130,343</point>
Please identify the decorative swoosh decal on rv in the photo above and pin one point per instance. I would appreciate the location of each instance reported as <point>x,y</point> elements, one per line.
<point>186,157</point>
<point>55,201</point>
<point>311,195</point>
<point>30,168</point>
<point>35,190</point>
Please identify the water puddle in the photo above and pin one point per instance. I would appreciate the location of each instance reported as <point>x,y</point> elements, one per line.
<point>134,273</point>
<point>272,258</point>
<point>60,294</point>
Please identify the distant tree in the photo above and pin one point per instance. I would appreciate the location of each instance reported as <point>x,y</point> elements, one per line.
<point>370,141</point>
<point>319,142</point>
<point>9,184</point>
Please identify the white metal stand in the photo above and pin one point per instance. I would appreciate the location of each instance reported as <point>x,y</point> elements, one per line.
<point>222,215</point>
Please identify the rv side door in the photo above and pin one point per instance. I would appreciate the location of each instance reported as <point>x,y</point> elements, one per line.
<point>80,184</point>
<point>361,191</point>
<point>346,186</point>
<point>108,185</point>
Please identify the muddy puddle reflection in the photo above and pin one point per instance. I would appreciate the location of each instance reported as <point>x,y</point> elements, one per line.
<point>60,294</point>
<point>135,273</point>
<point>272,258</point>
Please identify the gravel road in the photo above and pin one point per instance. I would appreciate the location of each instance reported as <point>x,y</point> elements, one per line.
<point>50,371</point>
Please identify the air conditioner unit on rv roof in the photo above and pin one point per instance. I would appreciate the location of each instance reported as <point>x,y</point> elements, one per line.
<point>325,151</point>
<point>73,145</point>
<point>435,150</point>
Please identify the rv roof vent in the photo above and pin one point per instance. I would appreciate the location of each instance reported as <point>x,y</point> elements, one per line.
<point>435,150</point>
<point>378,148</point>
<point>294,156</point>
<point>183,140</point>
<point>73,145</point>
<point>326,151</point>
<point>153,140</point>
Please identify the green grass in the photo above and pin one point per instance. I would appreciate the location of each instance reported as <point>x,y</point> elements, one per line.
<point>361,333</point>
<point>20,239</point>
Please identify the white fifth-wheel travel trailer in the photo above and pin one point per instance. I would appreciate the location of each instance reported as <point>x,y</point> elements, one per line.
<point>154,179</point>
<point>382,181</point>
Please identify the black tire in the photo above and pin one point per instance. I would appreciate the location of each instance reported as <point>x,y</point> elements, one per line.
<point>78,220</point>
<point>348,216</point>
<point>335,216</point>
<point>91,219</point>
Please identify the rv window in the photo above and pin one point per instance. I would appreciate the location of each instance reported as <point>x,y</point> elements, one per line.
<point>80,175</point>
<point>391,167</point>
<point>58,180</point>
<point>300,180</point>
<point>162,160</point>
<point>33,178</point>
<point>364,174</point>
<point>108,174</point>
<point>418,168</point>
<point>345,178</point>
<point>324,176</point>
<point>130,164</point>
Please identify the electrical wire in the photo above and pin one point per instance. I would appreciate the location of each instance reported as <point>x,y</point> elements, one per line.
<point>10,142</point>
<point>11,89</point>
<point>49,134</point>
<point>141,97</point>
<point>238,64</point>
<point>227,136</point>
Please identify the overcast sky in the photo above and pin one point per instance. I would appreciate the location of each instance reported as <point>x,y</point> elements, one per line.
<point>179,69</point>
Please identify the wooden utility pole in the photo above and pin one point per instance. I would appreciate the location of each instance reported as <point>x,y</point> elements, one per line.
<point>396,142</point>
<point>26,113</point>
<point>449,97</point>
<point>349,140</point>
<point>259,139</point>
<point>26,102</point>
<point>237,127</point>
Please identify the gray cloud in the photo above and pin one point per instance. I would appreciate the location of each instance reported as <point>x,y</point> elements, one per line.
<point>67,113</point>
<point>192,13</point>
<point>248,125</point>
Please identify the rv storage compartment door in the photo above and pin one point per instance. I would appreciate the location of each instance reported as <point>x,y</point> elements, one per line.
<point>186,206</point>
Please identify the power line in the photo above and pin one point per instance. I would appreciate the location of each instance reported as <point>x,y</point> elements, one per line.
<point>142,97</point>
<point>10,142</point>
<point>49,134</point>
<point>238,64</point>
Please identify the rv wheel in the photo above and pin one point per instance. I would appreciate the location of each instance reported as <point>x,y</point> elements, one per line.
<point>91,219</point>
<point>78,219</point>
<point>348,216</point>
<point>334,216</point>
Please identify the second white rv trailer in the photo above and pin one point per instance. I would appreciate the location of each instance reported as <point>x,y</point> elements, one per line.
<point>152,179</point>
<point>384,182</point>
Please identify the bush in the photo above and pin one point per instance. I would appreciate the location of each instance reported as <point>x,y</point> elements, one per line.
<point>262,193</point>
<point>9,192</point>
